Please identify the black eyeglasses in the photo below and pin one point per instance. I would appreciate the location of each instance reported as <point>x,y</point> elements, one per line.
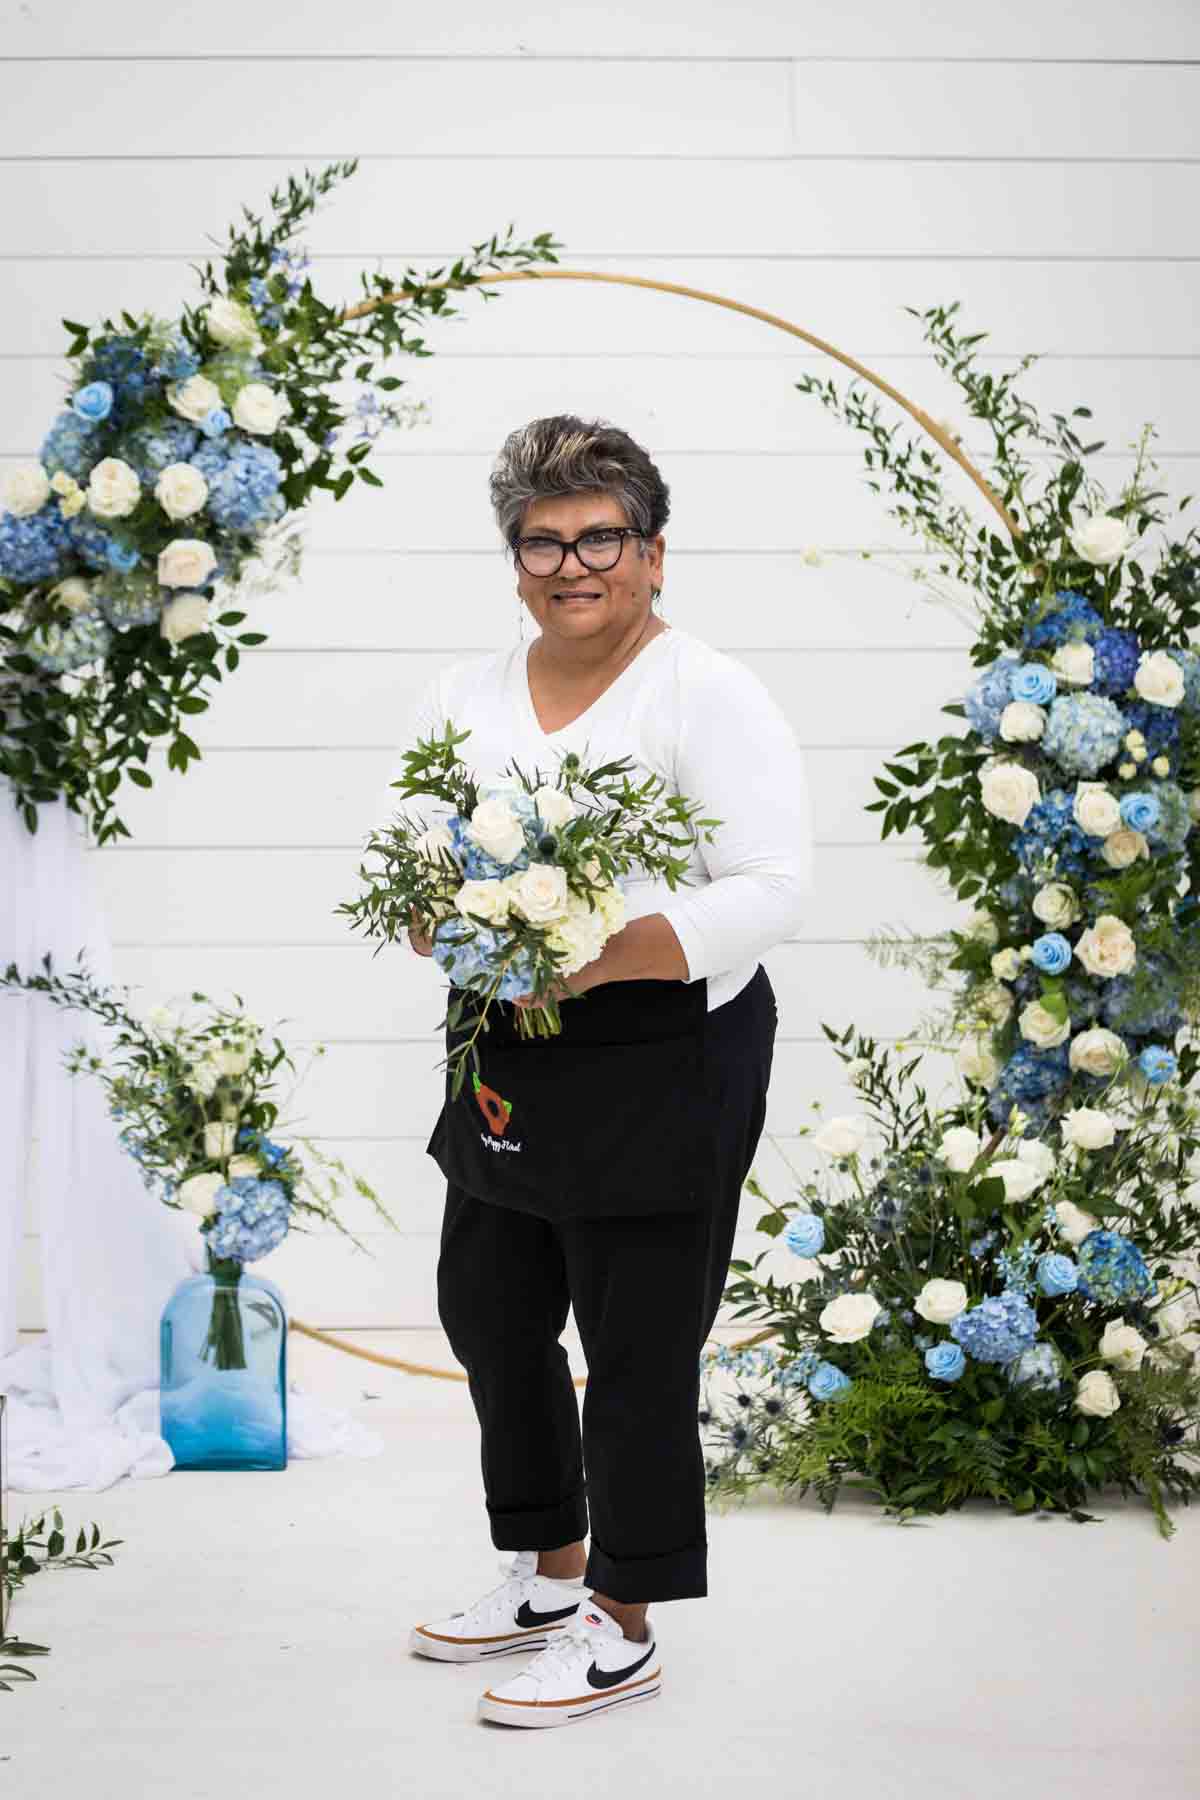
<point>598,549</point>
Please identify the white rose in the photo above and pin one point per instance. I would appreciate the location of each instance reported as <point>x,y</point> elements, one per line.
<point>229,322</point>
<point>1041,1028</point>
<point>1097,1394</point>
<point>486,899</point>
<point>994,1001</point>
<point>1020,1178</point>
<point>554,807</point>
<point>539,893</point>
<point>1097,1051</point>
<point>1055,905</point>
<point>74,594</point>
<point>1159,679</point>
<point>1120,848</point>
<point>194,398</point>
<point>495,827</point>
<point>959,1147</point>
<point>980,926</point>
<point>1009,791</point>
<point>242,1165</point>
<point>113,488</point>
<point>198,1194</point>
<point>228,1060</point>
<point>1096,810</point>
<point>219,1138</point>
<point>849,1317</point>
<point>1122,1346</point>
<point>181,490</point>
<point>1073,1223</point>
<point>432,842</point>
<point>1038,1155</point>
<point>1075,663</point>
<point>183,617</point>
<point>1006,964</point>
<point>1101,540</point>
<point>259,408</point>
<point>26,489</point>
<point>977,1060</point>
<point>940,1301</point>
<point>1022,722</point>
<point>844,1135</point>
<point>1088,1128</point>
<point>1108,947</point>
<point>186,563</point>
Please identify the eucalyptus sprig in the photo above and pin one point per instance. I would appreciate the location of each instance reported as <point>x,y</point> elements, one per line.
<point>34,1547</point>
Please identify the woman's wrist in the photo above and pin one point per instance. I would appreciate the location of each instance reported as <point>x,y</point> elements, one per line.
<point>646,949</point>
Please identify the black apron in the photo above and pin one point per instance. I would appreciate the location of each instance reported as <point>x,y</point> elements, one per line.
<point>610,1116</point>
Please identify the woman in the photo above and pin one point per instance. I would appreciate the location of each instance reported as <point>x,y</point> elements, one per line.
<point>612,1183</point>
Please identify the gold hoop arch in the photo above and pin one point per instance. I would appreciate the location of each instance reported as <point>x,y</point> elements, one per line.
<point>922,418</point>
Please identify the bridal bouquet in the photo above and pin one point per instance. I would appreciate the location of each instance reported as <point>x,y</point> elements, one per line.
<point>1001,1304</point>
<point>169,485</point>
<point>517,882</point>
<point>196,1106</point>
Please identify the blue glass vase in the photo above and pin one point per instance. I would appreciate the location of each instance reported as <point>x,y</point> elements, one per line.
<point>223,1386</point>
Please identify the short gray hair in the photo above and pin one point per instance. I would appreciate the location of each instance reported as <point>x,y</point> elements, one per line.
<point>564,454</point>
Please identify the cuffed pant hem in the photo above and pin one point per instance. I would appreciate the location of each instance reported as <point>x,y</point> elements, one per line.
<point>540,1527</point>
<point>678,1575</point>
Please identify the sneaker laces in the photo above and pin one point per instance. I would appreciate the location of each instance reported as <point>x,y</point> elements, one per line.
<point>569,1638</point>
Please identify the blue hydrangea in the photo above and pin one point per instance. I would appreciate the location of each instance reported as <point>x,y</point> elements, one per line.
<point>71,444</point>
<point>1159,725</point>
<point>805,1234</point>
<point>60,648</point>
<point>1039,1368</point>
<point>152,447</point>
<point>1083,733</point>
<point>124,365</point>
<point>1157,1064</point>
<point>241,484</point>
<point>985,700</point>
<point>796,1373</point>
<point>828,1382</point>
<point>1069,617</point>
<point>1112,1269</point>
<point>945,1362</point>
<point>1057,1274</point>
<point>1115,657</point>
<point>997,1329</point>
<point>271,1153</point>
<point>177,361</point>
<point>1145,1003</point>
<point>252,1218</point>
<point>1189,662</point>
<point>88,540</point>
<point>470,954</point>
<point>476,864</point>
<point>35,547</point>
<point>1051,832</point>
<point>1030,1079</point>
<point>129,600</point>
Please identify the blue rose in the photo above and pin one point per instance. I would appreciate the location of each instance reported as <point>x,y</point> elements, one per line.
<point>828,1382</point>
<point>805,1235</point>
<point>945,1362</point>
<point>1052,952</point>
<point>93,402</point>
<point>1035,682</point>
<point>1057,1274</point>
<point>1140,811</point>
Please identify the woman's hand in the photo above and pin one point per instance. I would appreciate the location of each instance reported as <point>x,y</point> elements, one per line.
<point>421,943</point>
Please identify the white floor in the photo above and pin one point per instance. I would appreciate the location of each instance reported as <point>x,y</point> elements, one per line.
<point>251,1641</point>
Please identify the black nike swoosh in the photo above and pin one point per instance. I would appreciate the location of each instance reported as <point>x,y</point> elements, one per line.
<point>605,1678</point>
<point>526,1616</point>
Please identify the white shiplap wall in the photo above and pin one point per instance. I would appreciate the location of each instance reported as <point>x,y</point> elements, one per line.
<point>830,164</point>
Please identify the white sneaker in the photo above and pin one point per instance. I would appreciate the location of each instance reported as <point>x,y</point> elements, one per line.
<point>590,1667</point>
<point>526,1610</point>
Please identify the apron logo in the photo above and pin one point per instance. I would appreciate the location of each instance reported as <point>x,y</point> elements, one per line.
<point>496,1111</point>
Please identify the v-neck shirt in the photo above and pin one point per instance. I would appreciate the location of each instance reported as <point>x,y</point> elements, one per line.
<point>706,724</point>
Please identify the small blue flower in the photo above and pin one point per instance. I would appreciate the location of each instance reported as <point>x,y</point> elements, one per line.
<point>945,1362</point>
<point>805,1235</point>
<point>93,402</point>
<point>1140,811</point>
<point>828,1382</point>
<point>1157,1065</point>
<point>1057,1274</point>
<point>123,557</point>
<point>215,422</point>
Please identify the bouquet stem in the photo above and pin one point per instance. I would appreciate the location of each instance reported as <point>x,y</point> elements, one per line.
<point>225,1342</point>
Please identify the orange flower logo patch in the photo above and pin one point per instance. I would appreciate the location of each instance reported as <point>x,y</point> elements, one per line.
<point>496,1111</point>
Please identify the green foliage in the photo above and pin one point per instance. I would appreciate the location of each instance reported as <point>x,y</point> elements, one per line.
<point>37,1545</point>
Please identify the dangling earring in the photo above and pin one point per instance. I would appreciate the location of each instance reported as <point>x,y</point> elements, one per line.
<point>655,598</point>
<point>520,616</point>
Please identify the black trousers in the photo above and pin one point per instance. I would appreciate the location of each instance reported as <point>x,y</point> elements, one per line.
<point>645,1290</point>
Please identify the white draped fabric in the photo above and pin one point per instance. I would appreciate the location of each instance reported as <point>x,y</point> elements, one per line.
<point>83,1402</point>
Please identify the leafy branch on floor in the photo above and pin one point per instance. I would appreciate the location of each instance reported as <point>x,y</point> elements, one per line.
<point>36,1545</point>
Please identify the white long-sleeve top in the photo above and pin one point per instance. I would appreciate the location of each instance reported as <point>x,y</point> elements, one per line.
<point>706,724</point>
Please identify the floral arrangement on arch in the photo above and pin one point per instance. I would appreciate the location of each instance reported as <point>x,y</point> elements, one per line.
<point>168,488</point>
<point>998,1297</point>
